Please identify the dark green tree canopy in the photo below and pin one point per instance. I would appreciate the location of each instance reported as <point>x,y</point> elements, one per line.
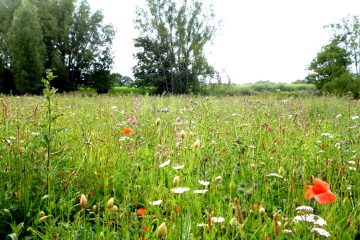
<point>171,45</point>
<point>75,43</point>
<point>26,48</point>
<point>330,63</point>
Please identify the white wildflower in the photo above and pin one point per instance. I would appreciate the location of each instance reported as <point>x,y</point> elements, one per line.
<point>274,175</point>
<point>157,202</point>
<point>178,167</point>
<point>311,218</point>
<point>288,231</point>
<point>217,219</point>
<point>203,191</point>
<point>164,164</point>
<point>354,117</point>
<point>201,225</point>
<point>321,232</point>
<point>125,138</point>
<point>204,183</point>
<point>305,209</point>
<point>328,135</point>
<point>338,116</point>
<point>180,190</point>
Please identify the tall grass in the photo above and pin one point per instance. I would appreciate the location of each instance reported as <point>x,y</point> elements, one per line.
<point>262,150</point>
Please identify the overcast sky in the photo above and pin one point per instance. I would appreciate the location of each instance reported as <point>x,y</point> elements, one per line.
<point>271,40</point>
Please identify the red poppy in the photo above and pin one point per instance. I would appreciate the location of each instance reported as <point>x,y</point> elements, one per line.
<point>141,211</point>
<point>126,131</point>
<point>320,191</point>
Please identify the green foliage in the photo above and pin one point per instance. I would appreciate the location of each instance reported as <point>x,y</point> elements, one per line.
<point>100,80</point>
<point>119,80</point>
<point>330,63</point>
<point>171,46</point>
<point>344,84</point>
<point>27,48</point>
<point>73,42</point>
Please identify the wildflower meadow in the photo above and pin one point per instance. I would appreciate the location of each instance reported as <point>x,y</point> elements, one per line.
<point>179,167</point>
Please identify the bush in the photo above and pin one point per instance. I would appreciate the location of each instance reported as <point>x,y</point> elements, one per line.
<point>346,83</point>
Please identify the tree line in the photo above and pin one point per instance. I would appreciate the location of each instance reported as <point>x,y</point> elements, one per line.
<point>61,35</point>
<point>67,37</point>
<point>71,40</point>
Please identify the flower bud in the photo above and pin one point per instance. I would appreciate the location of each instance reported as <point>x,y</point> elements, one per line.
<point>110,203</point>
<point>182,134</point>
<point>196,144</point>
<point>162,230</point>
<point>114,208</point>
<point>83,201</point>
<point>176,181</point>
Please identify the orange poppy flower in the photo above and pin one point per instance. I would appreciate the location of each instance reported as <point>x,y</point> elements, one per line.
<point>126,131</point>
<point>141,211</point>
<point>320,191</point>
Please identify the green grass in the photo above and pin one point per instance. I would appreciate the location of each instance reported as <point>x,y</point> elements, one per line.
<point>242,139</point>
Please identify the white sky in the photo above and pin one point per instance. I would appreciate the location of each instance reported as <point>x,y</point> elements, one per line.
<point>271,40</point>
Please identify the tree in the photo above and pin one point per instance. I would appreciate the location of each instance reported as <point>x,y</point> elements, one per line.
<point>330,63</point>
<point>347,33</point>
<point>56,19</point>
<point>171,45</point>
<point>26,48</point>
<point>90,47</point>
